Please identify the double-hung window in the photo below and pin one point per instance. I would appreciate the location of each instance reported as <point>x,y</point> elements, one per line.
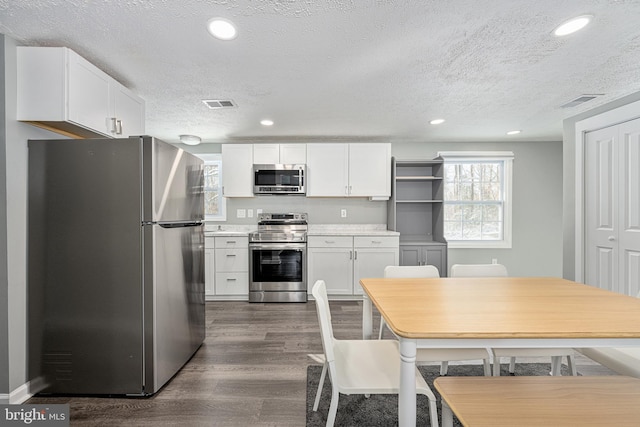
<point>477,199</point>
<point>214,202</point>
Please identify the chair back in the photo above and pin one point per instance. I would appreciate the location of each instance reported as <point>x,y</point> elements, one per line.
<point>478,270</point>
<point>319,292</point>
<point>411,271</point>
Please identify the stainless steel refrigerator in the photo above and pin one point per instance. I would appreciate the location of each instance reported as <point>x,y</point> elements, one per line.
<point>116,264</point>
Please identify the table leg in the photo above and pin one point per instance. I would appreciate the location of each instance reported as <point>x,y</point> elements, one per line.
<point>367,318</point>
<point>407,393</point>
<point>447,415</point>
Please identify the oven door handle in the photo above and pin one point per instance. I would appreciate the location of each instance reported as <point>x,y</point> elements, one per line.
<point>278,246</point>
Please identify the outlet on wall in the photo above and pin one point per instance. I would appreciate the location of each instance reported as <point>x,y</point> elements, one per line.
<point>241,213</point>
<point>343,213</point>
<point>494,260</point>
<point>249,213</point>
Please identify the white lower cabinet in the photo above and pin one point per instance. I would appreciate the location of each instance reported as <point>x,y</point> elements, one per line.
<point>231,267</point>
<point>209,267</point>
<point>341,261</point>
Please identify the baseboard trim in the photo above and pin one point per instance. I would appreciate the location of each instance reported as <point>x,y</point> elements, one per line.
<point>17,396</point>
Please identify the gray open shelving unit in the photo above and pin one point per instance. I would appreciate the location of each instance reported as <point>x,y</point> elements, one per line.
<point>416,211</point>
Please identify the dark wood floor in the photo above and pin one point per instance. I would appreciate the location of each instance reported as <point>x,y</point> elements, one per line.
<point>250,371</point>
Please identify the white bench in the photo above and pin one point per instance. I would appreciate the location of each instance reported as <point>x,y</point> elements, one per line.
<point>623,360</point>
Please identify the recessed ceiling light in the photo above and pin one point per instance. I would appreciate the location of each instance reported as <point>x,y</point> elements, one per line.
<point>572,25</point>
<point>222,29</point>
<point>513,132</point>
<point>190,139</point>
<point>436,121</point>
<point>266,122</point>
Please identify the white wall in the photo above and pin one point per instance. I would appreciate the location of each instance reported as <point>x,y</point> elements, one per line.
<point>13,139</point>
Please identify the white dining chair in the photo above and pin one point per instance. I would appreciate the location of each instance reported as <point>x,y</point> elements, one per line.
<point>556,354</point>
<point>429,355</point>
<point>360,366</point>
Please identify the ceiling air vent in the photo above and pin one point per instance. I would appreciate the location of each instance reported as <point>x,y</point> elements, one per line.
<point>581,100</point>
<point>216,103</point>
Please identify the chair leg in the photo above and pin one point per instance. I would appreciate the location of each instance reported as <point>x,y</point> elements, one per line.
<point>571,363</point>
<point>382,324</point>
<point>556,364</point>
<point>444,367</point>
<point>433,412</point>
<point>333,407</point>
<point>319,392</point>
<point>496,366</point>
<point>487,367</point>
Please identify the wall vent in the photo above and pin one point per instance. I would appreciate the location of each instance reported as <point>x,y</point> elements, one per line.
<point>581,100</point>
<point>217,103</point>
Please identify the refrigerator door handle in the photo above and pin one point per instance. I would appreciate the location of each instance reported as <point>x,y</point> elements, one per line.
<point>176,224</point>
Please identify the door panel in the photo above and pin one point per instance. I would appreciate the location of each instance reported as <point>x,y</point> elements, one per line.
<point>631,271</point>
<point>600,205</point>
<point>173,183</point>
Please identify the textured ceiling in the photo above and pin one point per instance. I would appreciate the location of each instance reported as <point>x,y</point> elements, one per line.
<point>339,69</point>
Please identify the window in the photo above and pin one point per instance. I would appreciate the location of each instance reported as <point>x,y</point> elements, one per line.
<point>214,203</point>
<point>477,199</point>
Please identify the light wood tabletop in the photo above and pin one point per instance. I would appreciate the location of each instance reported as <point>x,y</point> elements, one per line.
<point>500,312</point>
<point>504,307</point>
<point>540,401</point>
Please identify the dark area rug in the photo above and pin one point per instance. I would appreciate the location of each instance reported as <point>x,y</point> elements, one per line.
<point>382,409</point>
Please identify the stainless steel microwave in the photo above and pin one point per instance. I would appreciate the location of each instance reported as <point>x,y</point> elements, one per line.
<point>279,179</point>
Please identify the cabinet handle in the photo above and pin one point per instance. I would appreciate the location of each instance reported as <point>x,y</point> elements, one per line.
<point>346,190</point>
<point>349,189</point>
<point>231,242</point>
<point>350,254</point>
<point>329,241</point>
<point>114,125</point>
<point>119,127</point>
<point>231,255</point>
<point>355,254</point>
<point>376,242</point>
<point>612,238</point>
<point>231,280</point>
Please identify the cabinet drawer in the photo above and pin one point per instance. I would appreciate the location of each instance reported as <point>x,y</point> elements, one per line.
<point>232,284</point>
<point>330,241</point>
<point>376,241</point>
<point>228,260</point>
<point>230,242</point>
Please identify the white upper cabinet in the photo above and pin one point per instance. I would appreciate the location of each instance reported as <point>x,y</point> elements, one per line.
<point>349,170</point>
<point>327,170</point>
<point>237,170</point>
<point>62,91</point>
<point>279,154</point>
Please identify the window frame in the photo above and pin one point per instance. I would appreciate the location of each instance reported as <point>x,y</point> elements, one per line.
<point>216,159</point>
<point>506,157</point>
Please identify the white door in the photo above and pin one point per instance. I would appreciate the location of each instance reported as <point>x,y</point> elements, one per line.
<point>237,164</point>
<point>612,208</point>
<point>327,170</point>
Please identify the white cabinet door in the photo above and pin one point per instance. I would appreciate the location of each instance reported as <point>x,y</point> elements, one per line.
<point>370,170</point>
<point>370,262</point>
<point>334,266</point>
<point>266,154</point>
<point>293,154</point>
<point>209,269</point>
<point>88,94</point>
<point>327,170</point>
<point>288,154</point>
<point>237,164</point>
<point>127,111</point>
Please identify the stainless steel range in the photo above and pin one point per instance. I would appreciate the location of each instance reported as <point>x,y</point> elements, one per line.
<point>278,258</point>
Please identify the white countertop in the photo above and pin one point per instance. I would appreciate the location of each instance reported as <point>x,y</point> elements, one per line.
<point>350,229</point>
<point>314,230</point>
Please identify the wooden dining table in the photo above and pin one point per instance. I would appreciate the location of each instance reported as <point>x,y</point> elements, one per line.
<point>505,312</point>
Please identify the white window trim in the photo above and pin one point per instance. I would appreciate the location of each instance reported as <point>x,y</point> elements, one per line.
<point>211,158</point>
<point>479,156</point>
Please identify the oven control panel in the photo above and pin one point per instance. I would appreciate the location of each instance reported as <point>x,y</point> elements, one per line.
<point>283,217</point>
